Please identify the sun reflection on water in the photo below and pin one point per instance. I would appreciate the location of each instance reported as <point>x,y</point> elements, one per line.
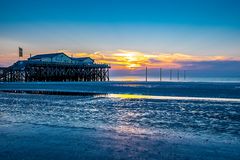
<point>127,129</point>
<point>137,96</point>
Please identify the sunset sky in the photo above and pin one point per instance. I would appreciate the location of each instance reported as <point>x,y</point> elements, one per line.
<point>201,35</point>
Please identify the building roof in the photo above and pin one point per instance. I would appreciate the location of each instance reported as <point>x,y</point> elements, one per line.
<point>81,58</point>
<point>50,55</point>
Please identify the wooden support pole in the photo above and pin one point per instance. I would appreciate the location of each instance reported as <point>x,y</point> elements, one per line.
<point>146,74</point>
<point>108,74</point>
<point>178,74</point>
<point>170,74</point>
<point>184,74</point>
<point>160,74</point>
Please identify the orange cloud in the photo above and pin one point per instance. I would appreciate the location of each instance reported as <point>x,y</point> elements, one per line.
<point>133,60</point>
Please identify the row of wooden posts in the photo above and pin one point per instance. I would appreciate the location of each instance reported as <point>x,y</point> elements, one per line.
<point>170,74</point>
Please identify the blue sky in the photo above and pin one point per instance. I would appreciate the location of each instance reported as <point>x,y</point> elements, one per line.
<point>191,27</point>
<point>224,13</point>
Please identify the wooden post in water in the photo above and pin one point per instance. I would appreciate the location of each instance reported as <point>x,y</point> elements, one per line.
<point>146,74</point>
<point>184,74</point>
<point>160,76</point>
<point>170,74</point>
<point>108,79</point>
<point>178,74</point>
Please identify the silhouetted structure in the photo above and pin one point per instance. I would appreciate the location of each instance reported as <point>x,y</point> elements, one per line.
<point>170,74</point>
<point>160,74</point>
<point>55,67</point>
<point>184,74</point>
<point>146,76</point>
<point>178,74</point>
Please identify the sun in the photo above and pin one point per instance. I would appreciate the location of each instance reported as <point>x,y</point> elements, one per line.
<point>131,59</point>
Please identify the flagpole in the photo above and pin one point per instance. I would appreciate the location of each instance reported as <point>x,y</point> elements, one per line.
<point>20,53</point>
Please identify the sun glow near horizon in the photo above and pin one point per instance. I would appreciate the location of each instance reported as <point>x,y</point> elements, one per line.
<point>134,60</point>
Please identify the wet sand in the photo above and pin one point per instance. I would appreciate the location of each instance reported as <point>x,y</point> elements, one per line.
<point>29,141</point>
<point>134,121</point>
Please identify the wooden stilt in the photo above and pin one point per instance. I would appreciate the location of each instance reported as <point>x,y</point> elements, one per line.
<point>146,74</point>
<point>160,74</point>
<point>49,71</point>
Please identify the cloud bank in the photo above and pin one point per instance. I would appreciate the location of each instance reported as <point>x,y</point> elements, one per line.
<point>130,62</point>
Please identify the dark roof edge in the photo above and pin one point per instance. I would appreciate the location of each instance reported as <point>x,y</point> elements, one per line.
<point>47,55</point>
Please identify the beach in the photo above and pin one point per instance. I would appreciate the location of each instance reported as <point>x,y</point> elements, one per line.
<point>121,120</point>
<point>120,80</point>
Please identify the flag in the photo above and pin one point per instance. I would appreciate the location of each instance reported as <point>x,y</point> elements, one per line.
<point>20,52</point>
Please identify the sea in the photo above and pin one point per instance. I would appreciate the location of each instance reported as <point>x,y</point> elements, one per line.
<point>120,120</point>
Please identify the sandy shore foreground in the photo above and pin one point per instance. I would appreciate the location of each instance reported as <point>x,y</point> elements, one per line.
<point>147,121</point>
<point>29,141</point>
